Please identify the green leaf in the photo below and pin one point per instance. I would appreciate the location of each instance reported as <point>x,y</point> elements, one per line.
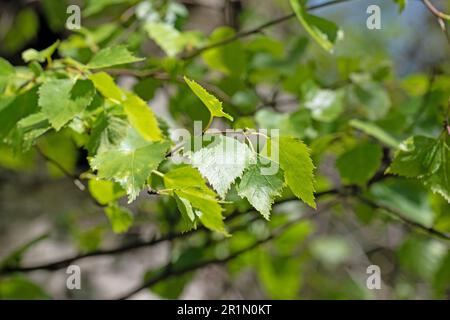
<point>372,97</point>
<point>121,219</point>
<point>13,109</point>
<point>107,87</point>
<point>407,198</point>
<point>222,162</point>
<point>23,29</point>
<point>294,158</point>
<point>290,124</point>
<point>18,287</point>
<point>331,250</point>
<point>6,69</point>
<point>260,189</point>
<point>142,118</point>
<point>192,193</point>
<point>211,102</point>
<point>108,131</point>
<point>229,58</point>
<point>187,213</point>
<point>167,37</point>
<point>324,32</point>
<point>441,281</point>
<point>360,163</point>
<point>29,129</point>
<point>186,177</point>
<point>325,105</point>
<point>112,56</point>
<point>426,159</point>
<point>131,163</point>
<point>401,4</point>
<point>421,257</point>
<point>439,181</point>
<point>40,56</point>
<point>60,147</point>
<point>104,191</point>
<point>96,6</point>
<point>55,12</point>
<point>376,132</point>
<point>63,99</point>
<point>416,158</point>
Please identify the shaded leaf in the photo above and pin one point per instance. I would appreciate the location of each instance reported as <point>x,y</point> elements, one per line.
<point>112,56</point>
<point>121,219</point>
<point>360,163</point>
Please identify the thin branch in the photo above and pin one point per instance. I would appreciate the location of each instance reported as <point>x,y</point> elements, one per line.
<point>76,180</point>
<point>199,265</point>
<point>56,265</point>
<point>256,30</point>
<point>425,100</point>
<point>401,216</point>
<point>439,14</point>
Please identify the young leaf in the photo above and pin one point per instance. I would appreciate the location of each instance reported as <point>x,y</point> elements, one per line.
<point>294,158</point>
<point>192,193</point>
<point>259,189</point>
<point>40,56</point>
<point>323,31</point>
<point>211,102</point>
<point>61,100</point>
<point>112,56</point>
<point>107,87</point>
<point>222,162</point>
<point>142,117</point>
<point>121,219</point>
<point>131,163</point>
<point>359,164</point>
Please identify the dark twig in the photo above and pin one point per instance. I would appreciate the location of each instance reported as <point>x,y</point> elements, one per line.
<point>256,30</point>
<point>401,216</point>
<point>199,265</point>
<point>76,180</point>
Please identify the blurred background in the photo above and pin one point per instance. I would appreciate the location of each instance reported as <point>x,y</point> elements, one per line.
<point>323,258</point>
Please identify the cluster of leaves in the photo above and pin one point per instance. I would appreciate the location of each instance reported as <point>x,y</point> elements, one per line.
<point>354,112</point>
<point>125,142</point>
